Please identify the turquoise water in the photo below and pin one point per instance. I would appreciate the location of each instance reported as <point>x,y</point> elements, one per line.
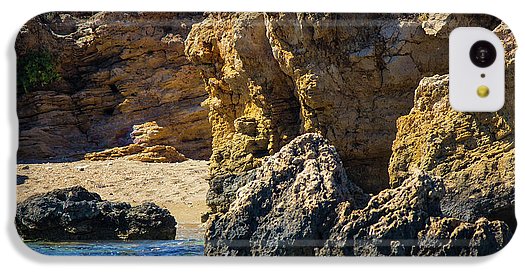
<point>190,247</point>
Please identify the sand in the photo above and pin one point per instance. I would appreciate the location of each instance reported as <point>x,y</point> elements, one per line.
<point>179,187</point>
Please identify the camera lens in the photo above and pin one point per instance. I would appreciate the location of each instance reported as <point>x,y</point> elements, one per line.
<point>483,54</point>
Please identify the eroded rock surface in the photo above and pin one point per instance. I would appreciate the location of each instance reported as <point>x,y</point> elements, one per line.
<point>390,222</point>
<point>253,107</point>
<point>147,146</point>
<point>77,214</point>
<point>472,152</point>
<point>407,220</point>
<point>116,70</point>
<point>452,237</point>
<point>271,77</point>
<point>300,202</point>
<point>287,206</point>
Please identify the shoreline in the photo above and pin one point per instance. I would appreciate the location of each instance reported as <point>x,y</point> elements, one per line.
<point>180,187</point>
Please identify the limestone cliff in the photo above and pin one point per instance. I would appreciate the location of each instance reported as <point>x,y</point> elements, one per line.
<point>450,189</point>
<point>473,152</point>
<point>348,77</point>
<point>117,71</point>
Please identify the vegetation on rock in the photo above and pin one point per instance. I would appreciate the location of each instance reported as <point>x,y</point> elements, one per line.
<point>36,70</point>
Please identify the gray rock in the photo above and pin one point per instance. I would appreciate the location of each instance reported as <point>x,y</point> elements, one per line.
<point>287,206</point>
<point>77,214</point>
<point>452,237</point>
<point>407,221</point>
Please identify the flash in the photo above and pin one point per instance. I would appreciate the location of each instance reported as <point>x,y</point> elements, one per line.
<point>483,91</point>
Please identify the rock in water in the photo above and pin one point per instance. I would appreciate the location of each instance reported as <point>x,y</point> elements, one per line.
<point>77,214</point>
<point>288,205</point>
<point>407,221</point>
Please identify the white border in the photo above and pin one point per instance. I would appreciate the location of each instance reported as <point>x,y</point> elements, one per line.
<point>14,257</point>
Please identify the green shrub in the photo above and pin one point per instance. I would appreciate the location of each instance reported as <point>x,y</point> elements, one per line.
<point>36,70</point>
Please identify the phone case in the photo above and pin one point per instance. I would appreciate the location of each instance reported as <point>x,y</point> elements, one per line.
<point>257,134</point>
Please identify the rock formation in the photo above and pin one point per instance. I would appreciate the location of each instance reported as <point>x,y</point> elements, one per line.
<point>77,214</point>
<point>117,70</point>
<point>472,152</point>
<point>438,202</point>
<point>407,221</point>
<point>147,146</point>
<point>271,77</point>
<point>451,237</point>
<point>300,202</point>
<point>303,116</point>
<point>287,206</point>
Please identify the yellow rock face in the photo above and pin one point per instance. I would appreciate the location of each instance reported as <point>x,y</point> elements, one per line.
<point>147,146</point>
<point>251,102</point>
<point>291,73</point>
<point>117,70</point>
<point>472,152</point>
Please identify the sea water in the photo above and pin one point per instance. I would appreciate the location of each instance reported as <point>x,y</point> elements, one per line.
<point>190,243</point>
<point>191,247</point>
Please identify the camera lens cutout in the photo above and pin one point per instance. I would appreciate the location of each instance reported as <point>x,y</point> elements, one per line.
<point>483,54</point>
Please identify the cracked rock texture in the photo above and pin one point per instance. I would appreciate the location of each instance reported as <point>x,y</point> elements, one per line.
<point>472,152</point>
<point>407,221</point>
<point>117,71</point>
<point>271,77</point>
<point>452,237</point>
<point>390,221</point>
<point>77,214</point>
<point>287,206</point>
<point>300,202</point>
<point>147,146</point>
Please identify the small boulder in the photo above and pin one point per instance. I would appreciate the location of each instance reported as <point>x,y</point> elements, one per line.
<point>77,214</point>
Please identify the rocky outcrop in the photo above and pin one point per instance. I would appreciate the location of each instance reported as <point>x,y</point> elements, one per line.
<point>407,220</point>
<point>452,237</point>
<point>390,222</point>
<point>147,146</point>
<point>117,70</point>
<point>271,77</point>
<point>287,206</point>
<point>472,152</point>
<point>283,93</point>
<point>77,214</point>
<point>252,106</point>
<point>300,202</point>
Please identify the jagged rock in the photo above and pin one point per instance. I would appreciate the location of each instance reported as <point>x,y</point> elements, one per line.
<point>251,102</point>
<point>223,190</point>
<point>390,222</point>
<point>271,77</point>
<point>147,146</point>
<point>472,152</point>
<point>116,70</point>
<point>77,214</point>
<point>442,24</point>
<point>407,221</point>
<point>287,206</point>
<point>452,237</point>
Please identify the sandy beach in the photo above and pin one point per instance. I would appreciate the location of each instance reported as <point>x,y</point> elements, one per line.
<point>179,187</point>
